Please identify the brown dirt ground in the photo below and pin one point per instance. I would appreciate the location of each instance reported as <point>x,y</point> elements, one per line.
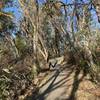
<point>67,84</point>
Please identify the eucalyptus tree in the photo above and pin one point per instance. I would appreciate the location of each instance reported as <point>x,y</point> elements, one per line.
<point>54,23</point>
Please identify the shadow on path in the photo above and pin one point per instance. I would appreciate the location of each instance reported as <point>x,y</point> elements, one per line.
<point>75,84</point>
<point>53,85</point>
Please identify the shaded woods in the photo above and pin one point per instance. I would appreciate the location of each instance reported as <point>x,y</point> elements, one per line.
<point>49,37</point>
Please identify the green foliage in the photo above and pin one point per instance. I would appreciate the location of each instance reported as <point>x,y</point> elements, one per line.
<point>53,33</point>
<point>4,87</point>
<point>20,44</point>
<point>6,22</point>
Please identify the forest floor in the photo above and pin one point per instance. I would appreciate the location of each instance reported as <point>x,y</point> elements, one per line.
<point>65,83</point>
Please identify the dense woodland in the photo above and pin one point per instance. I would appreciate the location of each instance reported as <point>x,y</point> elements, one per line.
<point>47,34</point>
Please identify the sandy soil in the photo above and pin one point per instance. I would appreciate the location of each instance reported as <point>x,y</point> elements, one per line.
<point>64,83</point>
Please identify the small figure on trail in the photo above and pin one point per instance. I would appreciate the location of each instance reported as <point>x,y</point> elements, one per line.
<point>52,63</point>
<point>55,61</point>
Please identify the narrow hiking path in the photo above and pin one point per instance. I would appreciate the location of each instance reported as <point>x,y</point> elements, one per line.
<point>67,84</point>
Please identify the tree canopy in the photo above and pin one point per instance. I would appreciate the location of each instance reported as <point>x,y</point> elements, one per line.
<point>48,33</point>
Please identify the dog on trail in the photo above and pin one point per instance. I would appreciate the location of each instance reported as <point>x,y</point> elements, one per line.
<point>55,61</point>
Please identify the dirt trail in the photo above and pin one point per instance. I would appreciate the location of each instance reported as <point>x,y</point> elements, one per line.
<point>66,84</point>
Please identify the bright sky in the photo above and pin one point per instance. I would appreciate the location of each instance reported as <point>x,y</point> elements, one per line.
<point>15,9</point>
<point>17,12</point>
